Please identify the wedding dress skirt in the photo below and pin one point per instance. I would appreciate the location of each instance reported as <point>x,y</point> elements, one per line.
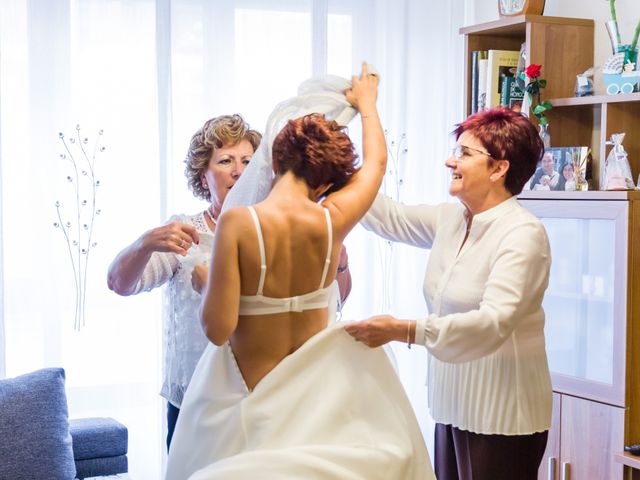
<point>333,409</point>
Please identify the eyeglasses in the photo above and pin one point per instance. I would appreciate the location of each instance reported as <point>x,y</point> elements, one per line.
<point>460,151</point>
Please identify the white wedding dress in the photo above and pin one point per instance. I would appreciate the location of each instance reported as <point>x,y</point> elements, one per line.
<point>332,410</point>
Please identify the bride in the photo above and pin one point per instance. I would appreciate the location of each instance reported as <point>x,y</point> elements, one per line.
<point>284,396</point>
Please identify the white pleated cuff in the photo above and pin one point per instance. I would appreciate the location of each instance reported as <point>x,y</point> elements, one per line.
<point>421,331</point>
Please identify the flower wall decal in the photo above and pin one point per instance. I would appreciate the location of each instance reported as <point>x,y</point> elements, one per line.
<point>76,220</point>
<point>391,186</point>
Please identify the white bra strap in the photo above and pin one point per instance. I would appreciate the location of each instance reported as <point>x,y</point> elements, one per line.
<point>329,245</point>
<point>263,257</point>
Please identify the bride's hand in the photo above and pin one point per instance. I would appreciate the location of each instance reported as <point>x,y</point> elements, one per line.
<point>377,330</point>
<point>200,277</point>
<point>364,91</point>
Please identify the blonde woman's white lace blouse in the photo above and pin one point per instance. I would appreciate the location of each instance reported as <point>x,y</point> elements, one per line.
<point>184,340</point>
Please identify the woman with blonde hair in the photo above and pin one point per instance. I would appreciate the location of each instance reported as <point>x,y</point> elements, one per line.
<point>218,154</point>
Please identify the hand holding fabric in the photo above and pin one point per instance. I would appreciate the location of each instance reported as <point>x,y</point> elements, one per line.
<point>173,237</point>
<point>364,91</point>
<point>199,277</point>
<point>377,330</point>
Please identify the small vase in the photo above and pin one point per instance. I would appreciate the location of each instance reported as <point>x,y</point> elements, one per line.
<point>581,184</point>
<point>544,135</point>
<point>614,34</point>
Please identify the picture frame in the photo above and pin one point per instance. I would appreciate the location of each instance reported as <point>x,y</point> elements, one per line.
<point>509,8</point>
<point>562,169</point>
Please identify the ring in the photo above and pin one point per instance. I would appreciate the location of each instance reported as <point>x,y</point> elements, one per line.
<point>181,243</point>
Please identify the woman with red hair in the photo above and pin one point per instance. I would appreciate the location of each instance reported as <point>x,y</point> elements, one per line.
<point>283,395</point>
<point>488,380</point>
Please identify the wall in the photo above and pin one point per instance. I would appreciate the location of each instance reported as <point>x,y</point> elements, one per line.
<point>628,11</point>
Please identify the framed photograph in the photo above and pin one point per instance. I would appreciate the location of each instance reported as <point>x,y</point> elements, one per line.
<point>562,168</point>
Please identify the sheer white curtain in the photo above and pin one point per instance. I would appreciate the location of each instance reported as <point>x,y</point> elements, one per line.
<point>90,63</point>
<point>149,73</point>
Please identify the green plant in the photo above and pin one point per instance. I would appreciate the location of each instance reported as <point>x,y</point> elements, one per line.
<point>532,72</point>
<point>636,33</point>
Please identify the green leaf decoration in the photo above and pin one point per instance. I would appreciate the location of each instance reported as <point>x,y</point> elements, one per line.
<point>539,109</point>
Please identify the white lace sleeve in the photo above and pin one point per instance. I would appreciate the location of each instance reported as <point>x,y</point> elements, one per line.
<point>162,266</point>
<point>159,270</point>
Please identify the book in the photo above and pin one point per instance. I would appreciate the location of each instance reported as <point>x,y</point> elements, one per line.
<point>474,81</point>
<point>522,64</point>
<point>482,84</point>
<point>511,95</point>
<point>476,56</point>
<point>501,63</point>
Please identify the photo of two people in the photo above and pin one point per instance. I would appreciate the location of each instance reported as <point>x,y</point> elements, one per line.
<point>556,169</point>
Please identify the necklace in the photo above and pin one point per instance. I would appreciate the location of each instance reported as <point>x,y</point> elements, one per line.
<point>210,215</point>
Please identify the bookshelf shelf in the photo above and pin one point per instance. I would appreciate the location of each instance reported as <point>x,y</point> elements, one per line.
<point>517,25</point>
<point>595,100</point>
<point>627,459</point>
<point>597,195</point>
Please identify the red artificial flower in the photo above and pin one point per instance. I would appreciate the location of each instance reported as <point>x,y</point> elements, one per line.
<point>533,70</point>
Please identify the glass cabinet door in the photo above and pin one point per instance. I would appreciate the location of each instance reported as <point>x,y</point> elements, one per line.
<point>585,303</point>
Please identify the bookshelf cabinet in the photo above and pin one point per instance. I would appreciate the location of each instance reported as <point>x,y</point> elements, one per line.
<point>593,302</point>
<point>564,47</point>
<point>592,120</point>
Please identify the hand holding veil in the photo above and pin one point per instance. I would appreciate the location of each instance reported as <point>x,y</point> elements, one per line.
<point>317,95</point>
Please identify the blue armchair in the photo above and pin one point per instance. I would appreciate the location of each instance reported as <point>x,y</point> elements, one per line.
<point>37,441</point>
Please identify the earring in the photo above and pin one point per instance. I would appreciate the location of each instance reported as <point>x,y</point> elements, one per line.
<point>205,184</point>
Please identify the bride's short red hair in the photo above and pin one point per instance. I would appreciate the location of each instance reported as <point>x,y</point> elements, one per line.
<point>315,150</point>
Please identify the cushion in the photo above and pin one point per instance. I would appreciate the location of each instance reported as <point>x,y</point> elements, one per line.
<point>34,429</point>
<point>98,437</point>
<point>96,467</point>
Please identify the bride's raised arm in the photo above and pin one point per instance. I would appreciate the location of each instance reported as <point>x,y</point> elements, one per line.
<point>350,203</point>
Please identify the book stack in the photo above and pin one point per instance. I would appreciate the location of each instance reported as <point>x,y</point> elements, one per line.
<point>493,79</point>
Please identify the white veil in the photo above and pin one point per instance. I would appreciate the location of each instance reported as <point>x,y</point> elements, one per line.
<point>317,95</point>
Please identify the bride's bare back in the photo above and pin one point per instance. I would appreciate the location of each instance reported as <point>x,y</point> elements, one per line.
<point>313,157</point>
<point>295,239</point>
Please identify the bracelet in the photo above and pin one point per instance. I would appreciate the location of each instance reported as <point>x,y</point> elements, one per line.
<point>342,269</point>
<point>409,334</point>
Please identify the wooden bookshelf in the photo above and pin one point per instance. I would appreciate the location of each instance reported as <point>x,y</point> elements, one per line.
<point>564,48</point>
<point>592,120</point>
<point>551,42</point>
